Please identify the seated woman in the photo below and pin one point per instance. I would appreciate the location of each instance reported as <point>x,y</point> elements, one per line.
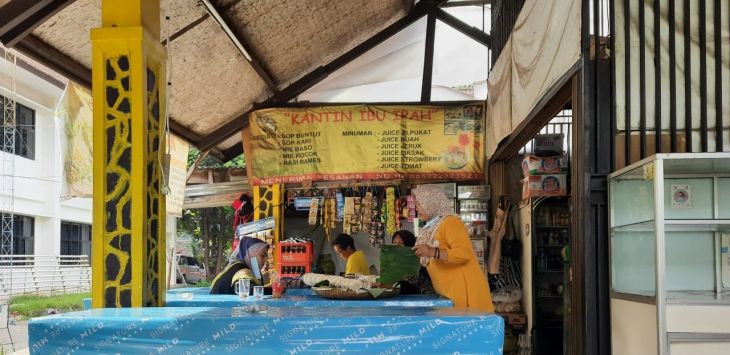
<point>248,249</point>
<point>357,263</point>
<point>420,284</point>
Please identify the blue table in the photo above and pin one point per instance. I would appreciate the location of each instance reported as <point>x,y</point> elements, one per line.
<point>280,330</point>
<point>200,297</point>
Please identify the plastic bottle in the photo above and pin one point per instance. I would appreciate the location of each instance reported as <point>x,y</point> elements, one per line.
<point>276,286</point>
<point>541,262</point>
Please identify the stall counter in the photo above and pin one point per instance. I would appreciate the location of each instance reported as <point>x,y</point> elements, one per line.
<point>282,330</point>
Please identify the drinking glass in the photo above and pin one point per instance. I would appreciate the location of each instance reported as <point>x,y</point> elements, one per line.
<point>258,292</point>
<point>242,288</point>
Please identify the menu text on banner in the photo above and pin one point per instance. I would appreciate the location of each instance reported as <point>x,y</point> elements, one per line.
<point>365,142</point>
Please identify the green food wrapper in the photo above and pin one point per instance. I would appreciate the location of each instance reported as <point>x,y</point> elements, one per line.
<point>376,292</point>
<point>397,263</point>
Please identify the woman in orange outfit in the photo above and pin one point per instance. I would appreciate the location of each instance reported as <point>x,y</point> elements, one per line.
<point>445,249</point>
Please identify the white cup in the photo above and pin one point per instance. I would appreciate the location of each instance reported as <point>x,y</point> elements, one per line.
<point>242,288</point>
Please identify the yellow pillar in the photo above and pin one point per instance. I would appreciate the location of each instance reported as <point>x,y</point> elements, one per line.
<point>268,201</point>
<point>128,72</point>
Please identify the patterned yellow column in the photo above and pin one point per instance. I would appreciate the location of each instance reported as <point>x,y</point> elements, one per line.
<point>129,210</point>
<point>268,201</point>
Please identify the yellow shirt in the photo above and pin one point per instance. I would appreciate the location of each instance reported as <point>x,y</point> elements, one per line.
<point>357,264</point>
<point>459,278</point>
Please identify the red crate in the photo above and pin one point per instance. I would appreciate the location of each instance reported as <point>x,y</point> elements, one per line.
<point>294,253</point>
<point>293,259</point>
<point>293,270</point>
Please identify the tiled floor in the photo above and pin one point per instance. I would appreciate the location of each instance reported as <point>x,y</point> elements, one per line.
<point>19,334</point>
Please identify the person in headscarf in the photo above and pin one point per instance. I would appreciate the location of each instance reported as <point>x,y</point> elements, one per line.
<point>417,285</point>
<point>243,213</point>
<point>445,250</point>
<point>241,259</point>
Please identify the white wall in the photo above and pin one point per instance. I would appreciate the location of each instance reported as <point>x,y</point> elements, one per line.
<point>37,187</point>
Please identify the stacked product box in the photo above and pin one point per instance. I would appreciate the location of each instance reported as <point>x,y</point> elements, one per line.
<point>545,176</point>
<point>478,246</point>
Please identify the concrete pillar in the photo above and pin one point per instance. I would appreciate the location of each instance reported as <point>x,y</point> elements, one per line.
<point>128,70</point>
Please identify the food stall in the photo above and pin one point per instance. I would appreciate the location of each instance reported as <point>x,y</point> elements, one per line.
<point>315,172</point>
<point>350,168</point>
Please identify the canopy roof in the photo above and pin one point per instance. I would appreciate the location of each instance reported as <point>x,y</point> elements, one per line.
<point>292,46</point>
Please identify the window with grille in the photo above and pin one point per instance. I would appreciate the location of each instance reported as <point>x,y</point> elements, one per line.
<point>23,234</point>
<point>24,129</point>
<point>75,239</point>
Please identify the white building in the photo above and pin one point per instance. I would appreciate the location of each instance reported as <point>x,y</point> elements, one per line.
<point>45,223</point>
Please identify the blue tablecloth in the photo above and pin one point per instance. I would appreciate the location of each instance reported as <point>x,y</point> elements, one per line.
<point>281,330</point>
<point>200,297</point>
<point>206,291</point>
<point>309,300</point>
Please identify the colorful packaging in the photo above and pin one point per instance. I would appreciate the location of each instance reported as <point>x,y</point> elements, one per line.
<point>390,210</point>
<point>340,206</point>
<point>544,185</point>
<point>534,165</point>
<point>478,246</point>
<point>313,209</point>
<point>411,208</point>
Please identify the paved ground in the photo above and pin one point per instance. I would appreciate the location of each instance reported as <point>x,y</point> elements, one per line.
<point>19,334</point>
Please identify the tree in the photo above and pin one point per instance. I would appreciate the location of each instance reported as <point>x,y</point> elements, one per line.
<point>212,162</point>
<point>211,228</point>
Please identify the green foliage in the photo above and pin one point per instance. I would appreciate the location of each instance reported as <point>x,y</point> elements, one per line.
<point>211,229</point>
<point>237,162</point>
<point>202,284</point>
<point>29,306</point>
<point>212,162</point>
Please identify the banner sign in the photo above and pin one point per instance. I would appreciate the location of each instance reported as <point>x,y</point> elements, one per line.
<point>178,175</point>
<point>365,142</point>
<point>74,111</point>
<point>255,226</point>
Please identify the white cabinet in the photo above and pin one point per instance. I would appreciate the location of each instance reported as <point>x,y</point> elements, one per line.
<point>670,229</point>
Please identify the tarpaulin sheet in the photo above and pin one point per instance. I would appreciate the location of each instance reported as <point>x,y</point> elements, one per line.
<point>543,46</point>
<point>202,330</point>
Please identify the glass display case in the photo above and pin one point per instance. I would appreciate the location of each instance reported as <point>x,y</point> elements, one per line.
<point>473,207</point>
<point>669,219</point>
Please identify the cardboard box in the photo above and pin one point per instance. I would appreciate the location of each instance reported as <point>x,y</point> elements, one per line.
<point>483,266</point>
<point>547,143</point>
<point>534,165</point>
<point>478,246</point>
<point>544,185</point>
<point>514,319</point>
<point>474,192</point>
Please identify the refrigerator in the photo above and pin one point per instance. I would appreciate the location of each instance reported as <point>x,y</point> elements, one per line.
<point>545,235</point>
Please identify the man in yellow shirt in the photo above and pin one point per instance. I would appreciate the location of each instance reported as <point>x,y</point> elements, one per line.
<point>344,246</point>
